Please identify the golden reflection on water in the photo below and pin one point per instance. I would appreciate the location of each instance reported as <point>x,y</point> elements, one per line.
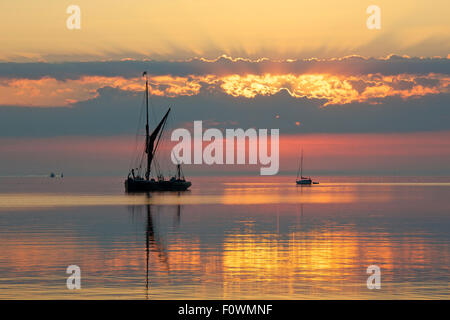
<point>230,196</point>
<point>257,263</point>
<point>248,193</point>
<point>15,201</point>
<point>321,264</point>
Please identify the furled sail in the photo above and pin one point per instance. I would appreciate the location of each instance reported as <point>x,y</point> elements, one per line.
<point>150,147</point>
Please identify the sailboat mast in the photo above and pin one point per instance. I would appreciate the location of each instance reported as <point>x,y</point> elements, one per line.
<point>147,130</point>
<point>301,166</point>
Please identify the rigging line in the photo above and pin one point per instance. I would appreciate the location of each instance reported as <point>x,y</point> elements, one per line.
<point>157,167</point>
<point>163,143</point>
<point>153,118</point>
<point>164,98</point>
<point>159,137</point>
<point>135,157</point>
<point>141,161</point>
<point>161,132</point>
<point>298,167</point>
<point>141,153</point>
<point>156,134</point>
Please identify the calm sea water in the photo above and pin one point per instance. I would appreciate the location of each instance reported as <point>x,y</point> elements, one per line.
<point>227,238</point>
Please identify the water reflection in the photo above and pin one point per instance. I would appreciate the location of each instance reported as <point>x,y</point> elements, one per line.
<point>152,238</point>
<point>314,247</point>
<point>308,260</point>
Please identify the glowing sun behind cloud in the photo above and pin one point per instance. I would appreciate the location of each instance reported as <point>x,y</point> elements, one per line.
<point>332,89</point>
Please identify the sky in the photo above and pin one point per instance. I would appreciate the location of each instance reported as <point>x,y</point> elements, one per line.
<point>182,29</point>
<point>358,100</point>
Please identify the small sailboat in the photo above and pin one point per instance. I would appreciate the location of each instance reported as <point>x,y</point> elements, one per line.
<point>300,178</point>
<point>135,182</point>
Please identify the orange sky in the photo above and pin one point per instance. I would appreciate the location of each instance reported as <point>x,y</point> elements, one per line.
<point>180,29</point>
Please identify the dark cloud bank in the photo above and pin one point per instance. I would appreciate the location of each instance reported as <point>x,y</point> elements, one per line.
<point>353,65</point>
<point>116,112</point>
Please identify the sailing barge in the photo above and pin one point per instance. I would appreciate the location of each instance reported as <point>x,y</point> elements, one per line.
<point>137,183</point>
